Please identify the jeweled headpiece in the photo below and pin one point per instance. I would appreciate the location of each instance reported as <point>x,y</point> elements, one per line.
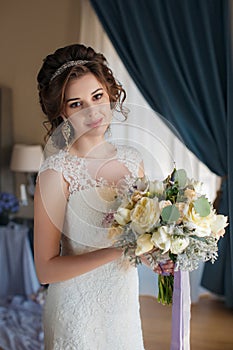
<point>66,65</point>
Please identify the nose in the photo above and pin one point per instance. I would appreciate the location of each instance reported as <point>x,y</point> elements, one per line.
<point>91,111</point>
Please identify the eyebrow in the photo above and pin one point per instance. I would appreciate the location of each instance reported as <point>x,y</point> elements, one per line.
<point>94,92</point>
<point>78,98</point>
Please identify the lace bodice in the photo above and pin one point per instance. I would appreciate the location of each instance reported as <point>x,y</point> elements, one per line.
<point>82,173</point>
<point>93,187</point>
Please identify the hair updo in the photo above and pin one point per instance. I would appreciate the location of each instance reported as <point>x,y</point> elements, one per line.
<point>52,90</point>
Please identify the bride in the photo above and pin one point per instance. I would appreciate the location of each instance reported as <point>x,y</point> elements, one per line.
<point>92,300</point>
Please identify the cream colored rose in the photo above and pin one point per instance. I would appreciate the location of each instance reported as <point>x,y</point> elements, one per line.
<point>145,215</point>
<point>218,224</point>
<point>156,187</point>
<point>114,232</point>
<point>136,196</point>
<point>122,216</point>
<point>144,244</point>
<point>178,245</point>
<point>162,238</point>
<point>190,194</point>
<point>201,225</point>
<point>163,204</point>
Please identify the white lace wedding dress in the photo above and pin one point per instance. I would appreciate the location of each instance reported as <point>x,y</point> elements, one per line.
<point>98,310</point>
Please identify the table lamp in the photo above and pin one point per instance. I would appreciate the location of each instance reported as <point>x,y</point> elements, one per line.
<point>27,159</point>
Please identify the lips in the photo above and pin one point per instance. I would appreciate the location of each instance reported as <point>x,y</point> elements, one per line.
<point>95,124</point>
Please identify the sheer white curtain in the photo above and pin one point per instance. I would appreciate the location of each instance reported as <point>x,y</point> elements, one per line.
<point>146,131</point>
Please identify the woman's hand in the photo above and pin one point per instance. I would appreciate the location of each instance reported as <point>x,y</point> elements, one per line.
<point>165,268</point>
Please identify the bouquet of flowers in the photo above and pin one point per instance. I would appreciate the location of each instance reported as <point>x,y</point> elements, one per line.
<point>170,219</point>
<point>9,204</point>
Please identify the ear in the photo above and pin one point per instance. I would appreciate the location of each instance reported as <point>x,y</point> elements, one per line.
<point>63,117</point>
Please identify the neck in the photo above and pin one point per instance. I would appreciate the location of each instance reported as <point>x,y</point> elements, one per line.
<point>92,148</point>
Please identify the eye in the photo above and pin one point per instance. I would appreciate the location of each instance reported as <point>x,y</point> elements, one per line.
<point>75,104</point>
<point>98,96</point>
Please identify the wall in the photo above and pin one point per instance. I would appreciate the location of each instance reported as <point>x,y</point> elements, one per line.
<point>29,30</point>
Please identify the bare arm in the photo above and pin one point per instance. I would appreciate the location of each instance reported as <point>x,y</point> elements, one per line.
<point>49,207</point>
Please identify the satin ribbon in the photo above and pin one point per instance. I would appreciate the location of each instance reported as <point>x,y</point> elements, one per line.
<point>181,312</point>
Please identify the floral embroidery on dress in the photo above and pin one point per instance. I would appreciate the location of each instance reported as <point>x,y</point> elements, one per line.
<point>75,171</point>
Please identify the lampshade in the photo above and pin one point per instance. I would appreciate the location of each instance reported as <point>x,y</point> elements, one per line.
<point>26,158</point>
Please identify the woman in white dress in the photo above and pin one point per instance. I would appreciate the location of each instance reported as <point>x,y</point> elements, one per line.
<point>92,300</point>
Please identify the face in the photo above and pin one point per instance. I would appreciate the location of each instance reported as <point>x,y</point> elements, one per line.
<point>87,106</point>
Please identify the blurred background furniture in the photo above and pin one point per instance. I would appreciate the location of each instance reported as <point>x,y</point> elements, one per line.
<point>27,159</point>
<point>17,269</point>
<point>6,139</point>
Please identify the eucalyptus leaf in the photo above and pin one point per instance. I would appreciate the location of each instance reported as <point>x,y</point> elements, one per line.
<point>202,206</point>
<point>170,214</point>
<point>180,177</point>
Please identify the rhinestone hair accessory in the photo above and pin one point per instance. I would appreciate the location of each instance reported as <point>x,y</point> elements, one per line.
<point>66,65</point>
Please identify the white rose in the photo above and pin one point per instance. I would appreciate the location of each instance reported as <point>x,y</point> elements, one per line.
<point>145,215</point>
<point>201,225</point>
<point>144,244</point>
<point>122,216</point>
<point>156,187</point>
<point>218,224</point>
<point>178,245</point>
<point>197,186</point>
<point>162,238</point>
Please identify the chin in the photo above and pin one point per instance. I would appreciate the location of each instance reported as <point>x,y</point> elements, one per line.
<point>98,131</point>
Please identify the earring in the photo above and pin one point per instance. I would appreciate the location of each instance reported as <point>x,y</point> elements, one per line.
<point>66,132</point>
<point>109,131</point>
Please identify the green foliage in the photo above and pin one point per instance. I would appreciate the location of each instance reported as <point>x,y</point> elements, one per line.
<point>202,206</point>
<point>165,284</point>
<point>180,177</point>
<point>173,257</point>
<point>170,214</point>
<point>171,193</point>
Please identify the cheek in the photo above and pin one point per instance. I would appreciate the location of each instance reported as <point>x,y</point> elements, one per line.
<point>106,111</point>
<point>68,113</point>
<point>78,121</point>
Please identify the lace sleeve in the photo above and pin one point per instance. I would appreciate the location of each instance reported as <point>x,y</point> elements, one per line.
<point>72,168</point>
<point>54,162</point>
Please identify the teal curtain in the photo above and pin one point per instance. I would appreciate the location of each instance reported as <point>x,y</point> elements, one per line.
<point>179,54</point>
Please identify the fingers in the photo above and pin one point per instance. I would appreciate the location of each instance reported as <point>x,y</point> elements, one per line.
<point>158,270</point>
<point>161,271</point>
<point>168,265</point>
<point>166,268</point>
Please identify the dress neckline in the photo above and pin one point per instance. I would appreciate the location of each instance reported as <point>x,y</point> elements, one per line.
<point>114,155</point>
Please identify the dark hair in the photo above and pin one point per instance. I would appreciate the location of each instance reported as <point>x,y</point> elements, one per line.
<point>52,91</point>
